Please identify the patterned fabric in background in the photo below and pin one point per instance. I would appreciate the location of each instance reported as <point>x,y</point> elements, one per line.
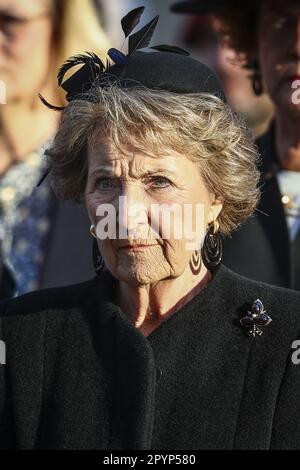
<point>25,219</point>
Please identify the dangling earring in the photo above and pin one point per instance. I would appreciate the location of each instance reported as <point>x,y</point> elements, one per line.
<point>212,249</point>
<point>98,261</point>
<point>256,78</point>
<point>93,231</point>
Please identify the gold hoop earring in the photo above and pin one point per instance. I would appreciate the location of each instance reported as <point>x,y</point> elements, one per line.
<point>216,226</point>
<point>93,231</point>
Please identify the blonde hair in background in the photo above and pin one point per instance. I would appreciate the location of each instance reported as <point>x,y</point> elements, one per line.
<point>77,29</point>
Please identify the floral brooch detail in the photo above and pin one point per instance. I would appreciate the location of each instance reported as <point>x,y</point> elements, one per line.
<point>255,319</point>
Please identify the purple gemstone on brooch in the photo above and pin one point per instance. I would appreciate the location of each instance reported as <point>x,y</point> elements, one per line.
<point>257,306</point>
<point>247,321</point>
<point>256,318</point>
<point>263,319</point>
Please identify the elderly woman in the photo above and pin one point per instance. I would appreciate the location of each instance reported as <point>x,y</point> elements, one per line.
<point>165,348</point>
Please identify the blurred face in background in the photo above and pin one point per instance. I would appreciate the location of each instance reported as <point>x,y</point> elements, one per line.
<point>279,50</point>
<point>25,47</point>
<point>203,38</point>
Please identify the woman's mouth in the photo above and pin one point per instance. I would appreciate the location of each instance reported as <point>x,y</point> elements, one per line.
<point>135,247</point>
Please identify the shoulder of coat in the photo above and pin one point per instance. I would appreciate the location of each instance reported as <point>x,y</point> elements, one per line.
<point>54,298</point>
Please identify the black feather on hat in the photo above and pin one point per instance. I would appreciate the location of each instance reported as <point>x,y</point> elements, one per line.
<point>152,69</point>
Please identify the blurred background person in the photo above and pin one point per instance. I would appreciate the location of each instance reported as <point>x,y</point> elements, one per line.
<point>40,235</point>
<point>200,35</point>
<point>7,282</point>
<point>266,35</point>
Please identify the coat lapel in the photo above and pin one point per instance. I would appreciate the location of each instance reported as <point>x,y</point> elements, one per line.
<point>203,355</point>
<point>209,393</point>
<point>133,373</point>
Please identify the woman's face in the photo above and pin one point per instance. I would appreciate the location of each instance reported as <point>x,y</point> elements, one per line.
<point>279,50</point>
<point>171,180</point>
<point>25,44</point>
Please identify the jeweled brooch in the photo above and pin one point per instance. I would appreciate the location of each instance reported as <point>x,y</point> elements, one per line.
<point>255,319</point>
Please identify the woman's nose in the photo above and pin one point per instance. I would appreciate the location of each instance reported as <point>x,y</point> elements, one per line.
<point>133,209</point>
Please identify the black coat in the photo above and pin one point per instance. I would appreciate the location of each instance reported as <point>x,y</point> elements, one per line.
<point>261,248</point>
<point>79,375</point>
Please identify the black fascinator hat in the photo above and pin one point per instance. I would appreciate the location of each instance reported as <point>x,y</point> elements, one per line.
<point>165,67</point>
<point>169,67</point>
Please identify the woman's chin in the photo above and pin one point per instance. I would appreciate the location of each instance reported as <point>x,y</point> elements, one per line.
<point>139,274</point>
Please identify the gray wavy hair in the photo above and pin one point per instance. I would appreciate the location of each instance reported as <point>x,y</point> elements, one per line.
<point>200,126</point>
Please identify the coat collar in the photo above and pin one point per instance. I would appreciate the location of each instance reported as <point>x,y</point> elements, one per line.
<point>211,370</point>
<point>208,322</point>
<point>105,284</point>
<point>132,366</point>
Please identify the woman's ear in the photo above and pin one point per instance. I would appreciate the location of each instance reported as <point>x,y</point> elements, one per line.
<point>215,209</point>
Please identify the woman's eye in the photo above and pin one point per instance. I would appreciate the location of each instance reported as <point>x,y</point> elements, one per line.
<point>160,182</point>
<point>104,183</point>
